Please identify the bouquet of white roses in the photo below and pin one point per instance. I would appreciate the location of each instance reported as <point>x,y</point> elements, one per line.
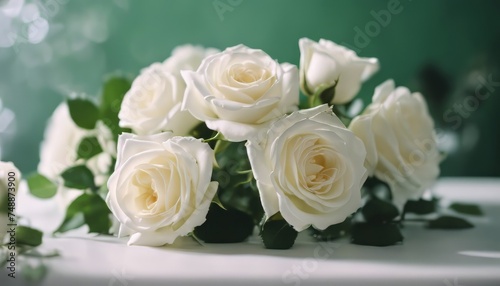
<point>216,143</point>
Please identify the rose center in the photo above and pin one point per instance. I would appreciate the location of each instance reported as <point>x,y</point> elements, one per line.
<point>144,98</point>
<point>247,73</point>
<point>316,169</point>
<point>147,196</point>
<point>151,199</point>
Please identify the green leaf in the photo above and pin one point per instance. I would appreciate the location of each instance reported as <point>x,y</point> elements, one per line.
<point>278,234</point>
<point>449,222</point>
<point>96,214</point>
<point>224,226</point>
<point>71,221</point>
<point>375,234</point>
<point>323,94</point>
<point>333,231</point>
<point>314,100</point>
<point>79,177</point>
<point>377,188</point>
<point>376,210</point>
<point>216,200</point>
<point>328,94</point>
<point>468,209</point>
<point>83,112</point>
<point>28,236</point>
<point>34,272</point>
<point>220,146</point>
<point>201,131</point>
<point>113,91</point>
<point>88,209</point>
<point>420,207</point>
<point>41,187</point>
<point>88,148</point>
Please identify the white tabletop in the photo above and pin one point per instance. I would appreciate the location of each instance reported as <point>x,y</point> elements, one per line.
<point>469,257</point>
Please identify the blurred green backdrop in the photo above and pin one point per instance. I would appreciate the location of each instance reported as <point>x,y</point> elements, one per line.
<point>51,48</point>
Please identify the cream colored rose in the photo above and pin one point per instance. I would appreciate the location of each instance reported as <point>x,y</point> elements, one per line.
<point>153,103</point>
<point>186,57</point>
<point>10,179</point>
<point>310,168</point>
<point>400,140</point>
<point>238,90</point>
<point>325,64</point>
<point>58,151</point>
<point>161,187</point>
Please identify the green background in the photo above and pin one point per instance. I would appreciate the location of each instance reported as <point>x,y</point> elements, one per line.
<point>436,47</point>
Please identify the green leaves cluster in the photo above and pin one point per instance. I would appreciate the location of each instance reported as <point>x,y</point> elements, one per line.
<point>381,220</point>
<point>225,226</point>
<point>86,113</point>
<point>276,233</point>
<point>380,227</point>
<point>236,208</point>
<point>89,208</point>
<point>237,188</point>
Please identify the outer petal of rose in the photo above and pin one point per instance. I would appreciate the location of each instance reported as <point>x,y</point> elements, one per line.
<point>167,235</point>
<point>323,114</point>
<point>383,90</point>
<point>268,199</point>
<point>180,121</point>
<point>256,156</point>
<point>194,96</point>
<point>129,144</point>
<point>235,111</point>
<point>203,154</point>
<point>349,82</point>
<point>154,238</point>
<point>124,230</point>
<point>290,98</point>
<point>308,48</point>
<point>285,122</point>
<point>198,216</point>
<point>261,171</point>
<point>362,127</point>
<point>119,147</point>
<point>321,70</point>
<point>301,220</point>
<point>340,52</point>
<point>234,131</point>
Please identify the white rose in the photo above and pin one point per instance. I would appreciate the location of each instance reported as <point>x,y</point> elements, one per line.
<point>153,103</point>
<point>7,171</point>
<point>325,64</point>
<point>187,57</point>
<point>238,90</point>
<point>58,151</point>
<point>61,139</point>
<point>161,187</point>
<point>309,168</point>
<point>400,140</point>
